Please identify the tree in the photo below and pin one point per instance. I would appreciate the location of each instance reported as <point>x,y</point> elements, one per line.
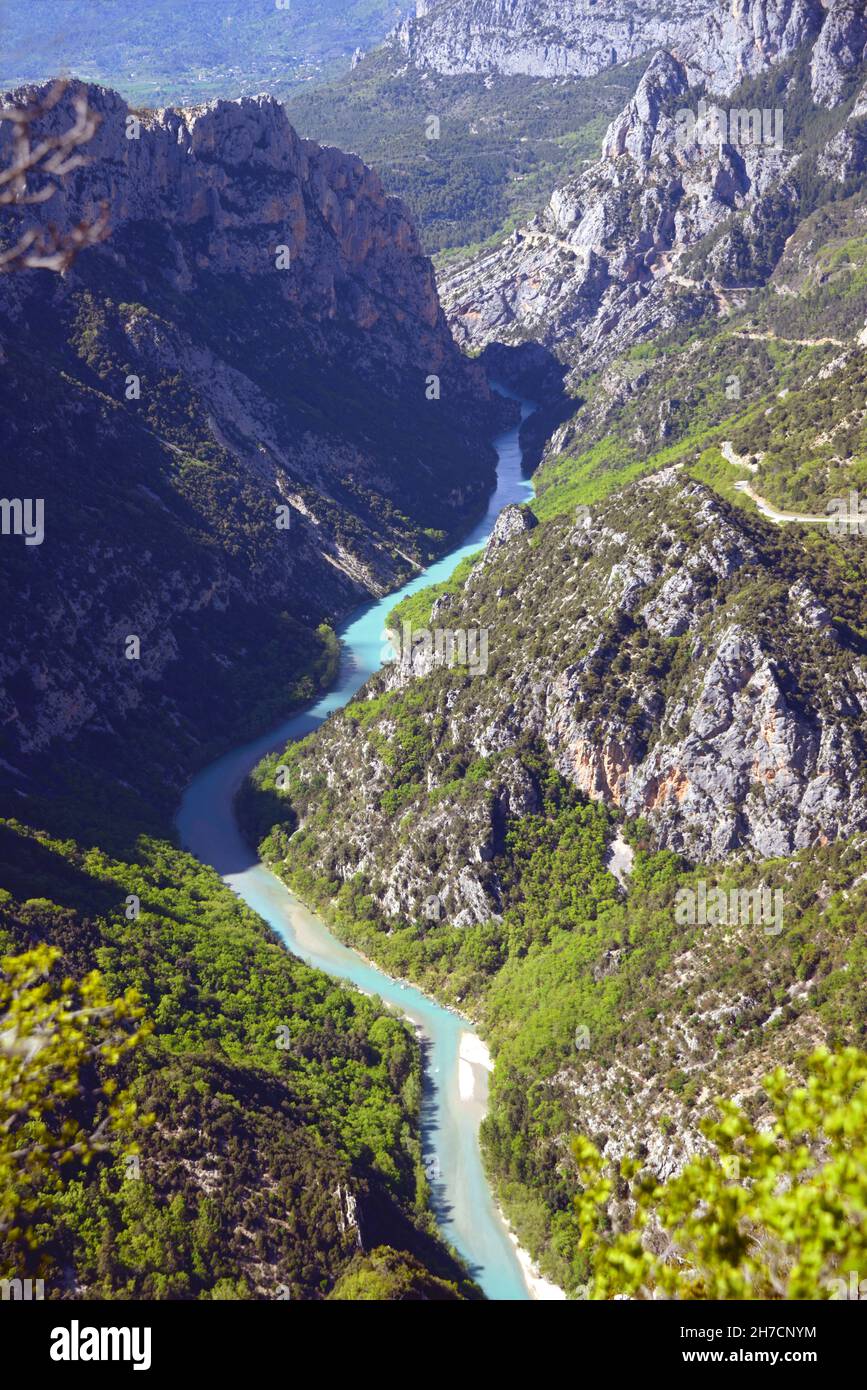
<point>55,1040</point>
<point>772,1213</point>
<point>47,159</point>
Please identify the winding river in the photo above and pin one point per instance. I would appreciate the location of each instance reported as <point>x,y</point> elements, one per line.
<point>455,1092</point>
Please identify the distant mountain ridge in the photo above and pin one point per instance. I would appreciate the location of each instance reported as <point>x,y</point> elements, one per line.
<point>159,52</point>
<point>672,218</point>
<point>539,38</point>
<point>719,44</point>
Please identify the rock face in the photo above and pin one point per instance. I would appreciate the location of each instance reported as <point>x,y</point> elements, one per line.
<point>634,653</point>
<point>643,128</point>
<point>598,268</point>
<point>539,38</point>
<point>839,51</point>
<point>224,407</point>
<point>684,207</point>
<point>236,174</point>
<point>719,44</point>
<point>512,521</point>
<point>846,152</point>
<point>738,40</point>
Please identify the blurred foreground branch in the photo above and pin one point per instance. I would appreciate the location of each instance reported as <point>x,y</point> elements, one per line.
<point>46,159</point>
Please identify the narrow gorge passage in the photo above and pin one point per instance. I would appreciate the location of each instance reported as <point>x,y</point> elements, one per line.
<point>455,1090</point>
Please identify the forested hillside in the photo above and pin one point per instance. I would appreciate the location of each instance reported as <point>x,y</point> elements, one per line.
<point>275,1136</point>
<point>473,156</point>
<point>671,710</point>
<point>221,448</point>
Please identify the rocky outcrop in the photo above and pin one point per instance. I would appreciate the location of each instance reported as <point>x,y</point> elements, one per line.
<point>642,128</point>
<point>734,41</point>
<point>512,521</point>
<point>347,1213</point>
<point>684,207</point>
<point>670,658</point>
<point>719,44</point>
<point>226,408</point>
<point>598,269</point>
<point>230,183</point>
<point>845,154</point>
<point>839,51</point>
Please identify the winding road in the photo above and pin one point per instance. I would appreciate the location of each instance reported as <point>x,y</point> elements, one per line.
<point>766,508</point>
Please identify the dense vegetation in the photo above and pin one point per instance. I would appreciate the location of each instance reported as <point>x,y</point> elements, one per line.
<point>743,1222</point>
<point>270,1125</point>
<point>388,1276</point>
<point>503,142</point>
<point>51,1036</point>
<point>587,998</point>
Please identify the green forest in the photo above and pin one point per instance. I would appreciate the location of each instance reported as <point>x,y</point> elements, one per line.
<point>501,144</point>
<point>258,1094</point>
<point>584,992</point>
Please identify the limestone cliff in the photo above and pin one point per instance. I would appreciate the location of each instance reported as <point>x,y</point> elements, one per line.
<point>692,199</point>
<point>227,408</point>
<point>629,645</point>
<point>720,43</point>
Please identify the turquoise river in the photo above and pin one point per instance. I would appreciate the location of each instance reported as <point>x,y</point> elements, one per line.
<point>455,1089</point>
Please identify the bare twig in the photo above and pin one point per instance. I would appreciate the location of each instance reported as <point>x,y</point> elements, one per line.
<point>49,158</point>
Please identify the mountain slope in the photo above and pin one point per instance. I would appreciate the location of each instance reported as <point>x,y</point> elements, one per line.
<point>644,697</point>
<point>260,414</point>
<point>662,661</point>
<point>686,212</point>
<point>666,654</point>
<point>169,400</point>
<point>469,153</point>
<point>521,93</point>
<point>283,1145</point>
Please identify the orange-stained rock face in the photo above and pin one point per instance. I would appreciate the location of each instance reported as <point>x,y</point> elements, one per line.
<point>673,787</point>
<point>601,772</point>
<point>626,643</point>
